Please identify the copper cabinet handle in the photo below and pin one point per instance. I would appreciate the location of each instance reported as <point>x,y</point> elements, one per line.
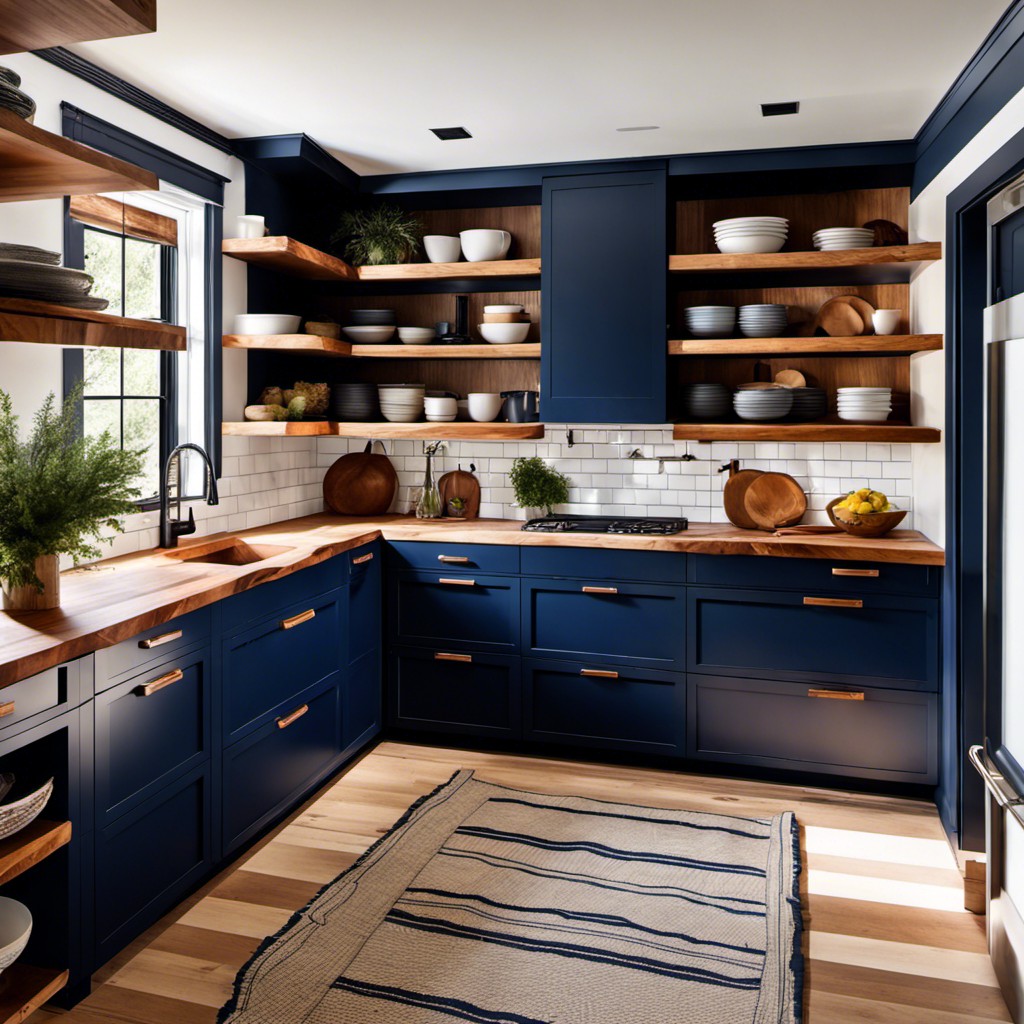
<point>457,583</point>
<point>286,720</point>
<point>874,573</point>
<point>368,557</point>
<point>453,559</point>
<point>168,679</point>
<point>158,641</point>
<point>599,673</point>
<point>7,708</point>
<point>444,656</point>
<point>599,590</point>
<point>834,602</point>
<point>298,620</point>
<point>836,694</point>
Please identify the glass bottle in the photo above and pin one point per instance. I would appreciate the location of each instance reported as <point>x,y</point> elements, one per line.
<point>429,504</point>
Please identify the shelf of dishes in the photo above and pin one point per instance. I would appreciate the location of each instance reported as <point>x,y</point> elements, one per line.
<point>895,344</point>
<point>830,430</point>
<point>450,431</point>
<point>891,255</point>
<point>312,344</point>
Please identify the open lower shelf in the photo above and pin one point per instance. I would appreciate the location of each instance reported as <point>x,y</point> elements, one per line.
<point>426,431</point>
<point>34,843</point>
<point>312,344</point>
<point>451,271</point>
<point>891,344</point>
<point>25,989</point>
<point>301,344</point>
<point>835,259</point>
<point>893,433</point>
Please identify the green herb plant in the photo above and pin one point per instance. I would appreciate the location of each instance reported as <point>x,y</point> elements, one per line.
<point>59,490</point>
<point>379,235</point>
<point>538,485</point>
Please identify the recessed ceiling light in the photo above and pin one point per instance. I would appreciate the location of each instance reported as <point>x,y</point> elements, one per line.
<point>640,128</point>
<point>448,134</point>
<point>776,109</point>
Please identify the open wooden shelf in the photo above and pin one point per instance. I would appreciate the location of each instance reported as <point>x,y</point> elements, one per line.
<point>25,989</point>
<point>36,164</point>
<point>278,428</point>
<point>312,344</point>
<point>38,26</point>
<point>835,259</point>
<point>307,344</point>
<point>50,324</point>
<point>35,842</point>
<point>426,431</point>
<point>892,433</point>
<point>278,252</point>
<point>890,344</point>
<point>451,271</point>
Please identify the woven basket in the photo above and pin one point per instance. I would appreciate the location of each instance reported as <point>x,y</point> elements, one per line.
<point>15,816</point>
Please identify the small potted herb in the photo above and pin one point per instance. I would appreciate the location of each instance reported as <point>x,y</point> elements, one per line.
<point>379,235</point>
<point>456,508</point>
<point>537,485</point>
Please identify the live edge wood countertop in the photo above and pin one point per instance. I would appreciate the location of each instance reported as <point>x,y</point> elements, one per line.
<point>118,598</point>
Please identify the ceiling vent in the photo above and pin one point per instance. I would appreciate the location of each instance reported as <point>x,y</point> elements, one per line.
<point>447,134</point>
<point>777,109</point>
<point>639,128</point>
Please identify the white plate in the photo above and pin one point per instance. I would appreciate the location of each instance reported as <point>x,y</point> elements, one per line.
<point>503,309</point>
<point>737,221</point>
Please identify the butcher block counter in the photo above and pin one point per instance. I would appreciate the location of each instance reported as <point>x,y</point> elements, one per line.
<point>119,598</point>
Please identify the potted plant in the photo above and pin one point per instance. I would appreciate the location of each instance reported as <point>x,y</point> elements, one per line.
<point>58,491</point>
<point>456,508</point>
<point>379,235</point>
<point>537,485</point>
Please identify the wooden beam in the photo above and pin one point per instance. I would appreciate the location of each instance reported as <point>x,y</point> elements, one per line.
<point>113,215</point>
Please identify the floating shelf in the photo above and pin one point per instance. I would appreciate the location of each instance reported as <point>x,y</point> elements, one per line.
<point>38,26</point>
<point>451,271</point>
<point>278,252</point>
<point>50,324</point>
<point>312,344</point>
<point>426,431</point>
<point>27,988</point>
<point>835,259</point>
<point>893,433</point>
<point>36,164</point>
<point>33,843</point>
<point>307,344</point>
<point>278,428</point>
<point>890,344</point>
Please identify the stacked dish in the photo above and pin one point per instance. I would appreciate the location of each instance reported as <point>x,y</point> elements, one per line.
<point>843,238</point>
<point>763,320</point>
<point>762,404</point>
<point>401,403</point>
<point>706,401</point>
<point>869,405</point>
<point>808,404</point>
<point>751,234</point>
<point>355,403</point>
<point>30,273</point>
<point>12,97</point>
<point>370,326</point>
<point>710,321</point>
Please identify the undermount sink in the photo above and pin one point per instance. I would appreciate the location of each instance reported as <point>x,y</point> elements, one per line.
<point>227,551</point>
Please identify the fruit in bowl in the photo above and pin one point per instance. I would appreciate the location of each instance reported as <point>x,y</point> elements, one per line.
<point>865,502</point>
<point>865,513</point>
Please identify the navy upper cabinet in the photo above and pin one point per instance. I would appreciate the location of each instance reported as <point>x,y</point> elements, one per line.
<point>605,265</point>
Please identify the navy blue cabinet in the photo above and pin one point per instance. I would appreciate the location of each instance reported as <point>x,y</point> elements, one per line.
<point>362,710</point>
<point>603,301</point>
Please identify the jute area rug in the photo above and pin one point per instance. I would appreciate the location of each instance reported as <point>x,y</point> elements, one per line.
<point>498,906</point>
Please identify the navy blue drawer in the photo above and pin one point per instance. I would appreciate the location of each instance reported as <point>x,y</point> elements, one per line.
<point>32,701</point>
<point>130,656</point>
<point>364,601</point>
<point>500,558</point>
<point>605,564</point>
<point>890,735</point>
<point>882,641</point>
<point>625,709</point>
<point>622,623</point>
<point>267,598</point>
<point>149,730</point>
<point>269,769</point>
<point>825,575</point>
<point>271,663</point>
<point>464,611</point>
<point>451,691</point>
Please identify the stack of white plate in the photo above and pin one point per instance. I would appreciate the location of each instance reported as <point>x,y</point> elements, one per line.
<point>710,321</point>
<point>763,320</point>
<point>706,401</point>
<point>869,405</point>
<point>763,404</point>
<point>401,403</point>
<point>751,234</point>
<point>843,238</point>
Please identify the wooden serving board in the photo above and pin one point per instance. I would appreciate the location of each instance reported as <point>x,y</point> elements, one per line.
<point>733,494</point>
<point>460,484</point>
<point>774,500</point>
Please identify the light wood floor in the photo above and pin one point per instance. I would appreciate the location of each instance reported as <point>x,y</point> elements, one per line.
<point>888,939</point>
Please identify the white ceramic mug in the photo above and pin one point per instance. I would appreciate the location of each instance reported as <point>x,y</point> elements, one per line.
<point>484,407</point>
<point>885,321</point>
<point>442,248</point>
<point>250,225</point>
<point>480,244</point>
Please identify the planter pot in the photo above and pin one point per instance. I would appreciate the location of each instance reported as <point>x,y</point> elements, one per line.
<point>529,513</point>
<point>29,599</point>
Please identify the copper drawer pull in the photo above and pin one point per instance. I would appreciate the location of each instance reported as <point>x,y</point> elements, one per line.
<point>836,694</point>
<point>453,559</point>
<point>368,557</point>
<point>599,590</point>
<point>444,656</point>
<point>874,573</point>
<point>599,673</point>
<point>158,641</point>
<point>834,602</point>
<point>283,723</point>
<point>458,583</point>
<point>298,620</point>
<point>148,689</point>
<point>7,708</point>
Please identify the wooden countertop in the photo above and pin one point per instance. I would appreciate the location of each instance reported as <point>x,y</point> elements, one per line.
<point>118,598</point>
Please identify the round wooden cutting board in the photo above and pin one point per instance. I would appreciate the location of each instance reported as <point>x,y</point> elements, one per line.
<point>361,484</point>
<point>733,494</point>
<point>774,500</point>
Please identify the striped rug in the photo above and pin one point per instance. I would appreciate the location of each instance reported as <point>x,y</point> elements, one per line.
<point>498,906</point>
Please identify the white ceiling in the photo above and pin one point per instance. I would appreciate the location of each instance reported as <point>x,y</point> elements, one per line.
<point>541,81</point>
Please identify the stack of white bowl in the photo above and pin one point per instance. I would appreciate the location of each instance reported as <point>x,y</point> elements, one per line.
<point>843,238</point>
<point>710,321</point>
<point>401,403</point>
<point>763,404</point>
<point>751,234</point>
<point>869,405</point>
<point>763,320</point>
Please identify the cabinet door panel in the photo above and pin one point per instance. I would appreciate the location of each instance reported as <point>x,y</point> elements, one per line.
<point>364,601</point>
<point>363,689</point>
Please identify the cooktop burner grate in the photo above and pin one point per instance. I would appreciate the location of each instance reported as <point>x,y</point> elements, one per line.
<point>606,524</point>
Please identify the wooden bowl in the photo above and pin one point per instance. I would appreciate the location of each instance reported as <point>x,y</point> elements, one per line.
<point>874,524</point>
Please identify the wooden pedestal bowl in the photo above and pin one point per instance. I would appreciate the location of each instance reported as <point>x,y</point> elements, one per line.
<point>873,524</point>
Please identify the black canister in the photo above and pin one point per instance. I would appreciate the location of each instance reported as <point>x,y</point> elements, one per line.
<point>520,406</point>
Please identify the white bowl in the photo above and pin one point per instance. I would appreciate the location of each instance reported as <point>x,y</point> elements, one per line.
<point>866,417</point>
<point>416,335</point>
<point>369,335</point>
<point>437,406</point>
<point>503,309</point>
<point>766,229</point>
<point>266,323</point>
<point>730,222</point>
<point>885,321</point>
<point>442,248</point>
<point>484,406</point>
<point>503,334</point>
<point>751,243</point>
<point>15,929</point>
<point>482,244</point>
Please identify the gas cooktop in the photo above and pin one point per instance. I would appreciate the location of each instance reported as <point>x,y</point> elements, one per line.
<point>605,524</point>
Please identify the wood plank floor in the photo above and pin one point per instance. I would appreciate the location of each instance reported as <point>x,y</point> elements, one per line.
<point>887,937</point>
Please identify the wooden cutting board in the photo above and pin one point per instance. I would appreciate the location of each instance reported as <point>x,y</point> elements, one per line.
<point>360,484</point>
<point>774,500</point>
<point>845,316</point>
<point>460,484</point>
<point>732,497</point>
